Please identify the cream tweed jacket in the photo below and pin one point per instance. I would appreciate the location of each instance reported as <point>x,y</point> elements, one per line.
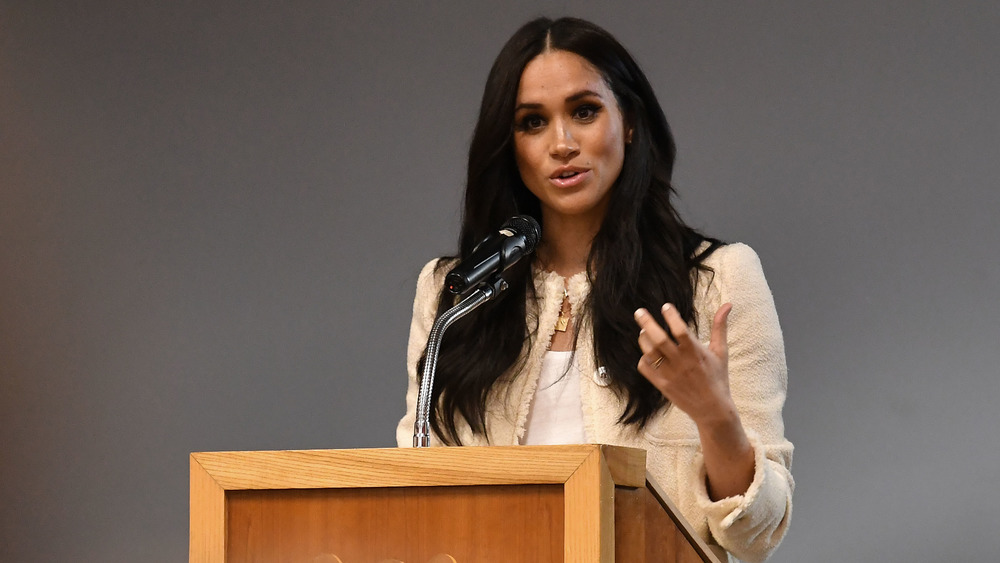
<point>750,526</point>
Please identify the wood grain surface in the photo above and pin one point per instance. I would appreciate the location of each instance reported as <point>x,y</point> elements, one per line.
<point>573,504</point>
<point>413,525</point>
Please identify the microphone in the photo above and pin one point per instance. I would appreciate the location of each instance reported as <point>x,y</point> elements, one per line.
<point>516,239</point>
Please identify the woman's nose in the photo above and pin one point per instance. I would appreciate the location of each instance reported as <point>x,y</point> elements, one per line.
<point>563,144</point>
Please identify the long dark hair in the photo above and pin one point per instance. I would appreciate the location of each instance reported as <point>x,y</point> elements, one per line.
<point>642,256</point>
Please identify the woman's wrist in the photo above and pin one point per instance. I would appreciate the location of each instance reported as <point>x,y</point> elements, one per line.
<point>728,455</point>
<point>724,417</point>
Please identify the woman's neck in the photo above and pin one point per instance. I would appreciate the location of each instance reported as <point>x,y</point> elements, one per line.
<point>565,247</point>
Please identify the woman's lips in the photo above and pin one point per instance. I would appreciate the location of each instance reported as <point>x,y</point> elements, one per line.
<point>571,181</point>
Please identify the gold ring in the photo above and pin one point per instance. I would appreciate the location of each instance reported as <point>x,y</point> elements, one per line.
<point>656,364</point>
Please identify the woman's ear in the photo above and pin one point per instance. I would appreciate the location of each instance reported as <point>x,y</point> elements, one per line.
<point>628,136</point>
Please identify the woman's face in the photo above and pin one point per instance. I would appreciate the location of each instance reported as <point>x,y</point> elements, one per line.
<point>569,136</point>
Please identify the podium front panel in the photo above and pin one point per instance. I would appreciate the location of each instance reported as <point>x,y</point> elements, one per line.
<point>413,525</point>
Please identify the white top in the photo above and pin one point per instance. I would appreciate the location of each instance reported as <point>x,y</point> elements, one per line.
<point>556,413</point>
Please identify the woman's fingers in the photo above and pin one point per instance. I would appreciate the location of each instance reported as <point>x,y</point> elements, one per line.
<point>688,373</point>
<point>653,340</point>
<point>720,330</point>
<point>678,328</point>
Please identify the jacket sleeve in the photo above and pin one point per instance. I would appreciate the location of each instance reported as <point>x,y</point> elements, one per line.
<point>424,312</point>
<point>751,525</point>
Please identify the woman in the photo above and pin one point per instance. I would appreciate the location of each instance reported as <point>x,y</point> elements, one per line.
<point>571,133</point>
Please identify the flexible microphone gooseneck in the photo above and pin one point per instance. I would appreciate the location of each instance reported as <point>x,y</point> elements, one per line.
<point>499,251</point>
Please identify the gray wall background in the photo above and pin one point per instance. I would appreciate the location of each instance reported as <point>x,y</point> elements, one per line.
<point>212,215</point>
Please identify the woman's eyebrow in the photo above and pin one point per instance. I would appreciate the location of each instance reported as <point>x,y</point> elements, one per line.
<point>582,94</point>
<point>572,98</point>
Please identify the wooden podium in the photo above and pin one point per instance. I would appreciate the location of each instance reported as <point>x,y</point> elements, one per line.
<point>532,504</point>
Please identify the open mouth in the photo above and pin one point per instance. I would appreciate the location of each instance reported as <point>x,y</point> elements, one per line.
<point>568,178</point>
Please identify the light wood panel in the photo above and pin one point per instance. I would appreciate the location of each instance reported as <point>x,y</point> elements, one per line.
<point>660,508</point>
<point>589,501</point>
<point>646,533</point>
<point>469,523</point>
<point>208,516</point>
<point>410,467</point>
<point>578,504</point>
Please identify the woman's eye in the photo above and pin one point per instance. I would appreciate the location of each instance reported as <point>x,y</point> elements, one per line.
<point>530,123</point>
<point>586,113</point>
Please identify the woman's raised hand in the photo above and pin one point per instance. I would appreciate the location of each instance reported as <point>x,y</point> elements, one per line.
<point>695,378</point>
<point>692,376</point>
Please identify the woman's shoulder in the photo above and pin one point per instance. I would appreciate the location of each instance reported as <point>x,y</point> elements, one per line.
<point>430,281</point>
<point>734,259</point>
<point>733,269</point>
<point>731,255</point>
<point>434,271</point>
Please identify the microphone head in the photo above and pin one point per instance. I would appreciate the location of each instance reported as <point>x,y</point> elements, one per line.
<point>517,238</point>
<point>526,226</point>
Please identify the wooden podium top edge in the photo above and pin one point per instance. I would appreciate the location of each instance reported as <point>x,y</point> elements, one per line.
<point>409,467</point>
